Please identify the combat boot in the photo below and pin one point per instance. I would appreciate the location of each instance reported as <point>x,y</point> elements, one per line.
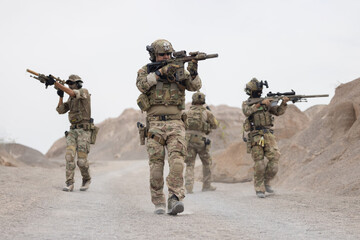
<point>210,188</point>
<point>85,185</point>
<point>174,205</point>
<point>260,194</point>
<point>160,208</point>
<point>69,187</point>
<point>269,189</point>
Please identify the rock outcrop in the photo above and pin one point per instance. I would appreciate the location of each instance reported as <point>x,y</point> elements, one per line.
<point>13,154</point>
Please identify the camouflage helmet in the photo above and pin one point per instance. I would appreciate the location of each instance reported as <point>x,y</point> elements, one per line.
<point>74,78</point>
<point>198,98</point>
<point>253,86</point>
<point>162,46</point>
<point>159,46</point>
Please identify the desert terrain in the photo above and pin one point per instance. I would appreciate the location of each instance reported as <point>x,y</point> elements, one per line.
<point>317,188</point>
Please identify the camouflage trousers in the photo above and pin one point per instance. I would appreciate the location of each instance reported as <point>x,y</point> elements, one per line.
<point>264,145</point>
<point>78,143</point>
<point>196,145</point>
<point>172,133</point>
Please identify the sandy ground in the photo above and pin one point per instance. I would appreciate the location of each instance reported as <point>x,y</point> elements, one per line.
<point>118,206</point>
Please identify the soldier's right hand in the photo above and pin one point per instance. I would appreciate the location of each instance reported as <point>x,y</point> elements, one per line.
<point>169,71</point>
<point>60,93</point>
<point>266,102</point>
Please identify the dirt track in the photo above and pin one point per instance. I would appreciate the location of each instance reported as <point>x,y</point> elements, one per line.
<point>117,206</point>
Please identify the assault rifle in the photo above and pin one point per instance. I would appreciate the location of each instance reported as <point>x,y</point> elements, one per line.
<point>179,59</point>
<point>276,97</point>
<point>45,79</point>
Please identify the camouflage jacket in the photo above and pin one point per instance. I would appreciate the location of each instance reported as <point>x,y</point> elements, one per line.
<point>262,117</point>
<point>79,107</point>
<point>164,97</point>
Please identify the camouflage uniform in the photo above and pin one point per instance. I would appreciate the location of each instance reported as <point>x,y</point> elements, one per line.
<point>199,123</point>
<point>78,138</point>
<point>262,142</point>
<point>166,100</point>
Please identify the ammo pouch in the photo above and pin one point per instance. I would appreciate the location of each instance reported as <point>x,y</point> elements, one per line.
<point>262,119</point>
<point>143,102</point>
<point>94,131</point>
<point>247,125</point>
<point>75,117</point>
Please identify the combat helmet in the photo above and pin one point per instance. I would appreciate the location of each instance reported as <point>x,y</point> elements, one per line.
<point>255,86</point>
<point>159,46</point>
<point>75,79</point>
<point>198,98</point>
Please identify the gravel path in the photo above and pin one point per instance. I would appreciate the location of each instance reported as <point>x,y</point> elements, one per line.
<point>118,206</point>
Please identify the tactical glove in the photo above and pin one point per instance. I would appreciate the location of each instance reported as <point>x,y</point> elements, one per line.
<point>169,71</point>
<point>60,93</point>
<point>49,81</point>
<point>192,68</point>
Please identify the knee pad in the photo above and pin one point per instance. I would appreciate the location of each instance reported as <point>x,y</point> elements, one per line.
<point>157,173</point>
<point>178,166</point>
<point>82,159</point>
<point>70,153</point>
<point>259,166</point>
<point>82,162</point>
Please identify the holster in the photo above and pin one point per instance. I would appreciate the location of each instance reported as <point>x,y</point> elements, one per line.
<point>142,132</point>
<point>207,142</point>
<point>94,131</point>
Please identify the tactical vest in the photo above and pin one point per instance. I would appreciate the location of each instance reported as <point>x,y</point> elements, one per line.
<point>195,120</point>
<point>261,118</point>
<point>165,93</point>
<point>80,111</point>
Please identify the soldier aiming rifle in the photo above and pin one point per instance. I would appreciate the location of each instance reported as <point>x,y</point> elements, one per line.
<point>261,141</point>
<point>82,131</point>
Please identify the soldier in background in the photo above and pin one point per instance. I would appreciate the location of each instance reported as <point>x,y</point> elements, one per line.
<point>199,123</point>
<point>261,141</point>
<point>163,99</point>
<point>78,138</point>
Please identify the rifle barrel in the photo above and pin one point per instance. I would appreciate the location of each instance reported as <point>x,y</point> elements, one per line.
<point>311,96</point>
<point>32,72</point>
<point>215,55</point>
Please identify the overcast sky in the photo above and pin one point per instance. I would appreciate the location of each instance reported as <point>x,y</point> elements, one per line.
<point>311,46</point>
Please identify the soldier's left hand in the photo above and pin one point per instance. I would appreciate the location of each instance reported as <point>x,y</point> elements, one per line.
<point>193,68</point>
<point>286,99</point>
<point>49,81</point>
<point>169,71</point>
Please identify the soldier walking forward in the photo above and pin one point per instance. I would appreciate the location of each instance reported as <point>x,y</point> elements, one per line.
<point>163,99</point>
<point>199,123</point>
<point>78,138</point>
<point>261,141</point>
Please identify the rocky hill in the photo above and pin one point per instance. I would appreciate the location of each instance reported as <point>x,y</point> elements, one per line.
<point>325,156</point>
<point>118,137</point>
<point>13,154</point>
<point>320,147</point>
